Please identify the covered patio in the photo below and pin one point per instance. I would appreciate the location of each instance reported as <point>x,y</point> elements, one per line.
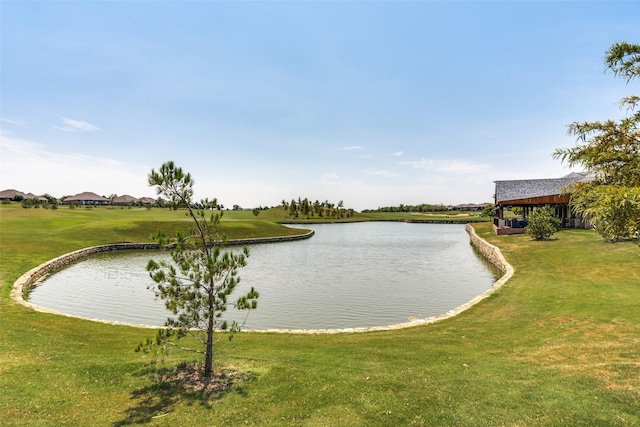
<point>530,194</point>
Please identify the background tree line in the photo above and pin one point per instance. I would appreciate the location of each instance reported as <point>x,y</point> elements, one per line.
<point>307,209</point>
<point>424,207</point>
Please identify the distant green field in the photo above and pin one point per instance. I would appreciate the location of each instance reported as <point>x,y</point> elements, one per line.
<point>559,344</point>
<point>280,215</point>
<point>452,216</point>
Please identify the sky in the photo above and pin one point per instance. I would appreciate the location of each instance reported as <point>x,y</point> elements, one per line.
<point>373,103</point>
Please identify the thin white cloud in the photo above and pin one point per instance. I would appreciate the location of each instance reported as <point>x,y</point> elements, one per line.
<point>398,153</point>
<point>453,166</point>
<point>70,125</point>
<point>366,156</point>
<point>329,177</point>
<point>15,121</point>
<point>351,148</point>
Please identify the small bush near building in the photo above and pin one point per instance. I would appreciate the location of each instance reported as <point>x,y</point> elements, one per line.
<point>542,223</point>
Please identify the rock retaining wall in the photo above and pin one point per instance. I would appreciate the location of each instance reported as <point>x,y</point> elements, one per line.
<point>489,251</point>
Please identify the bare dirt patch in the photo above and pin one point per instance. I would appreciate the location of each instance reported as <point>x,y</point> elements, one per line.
<point>189,377</point>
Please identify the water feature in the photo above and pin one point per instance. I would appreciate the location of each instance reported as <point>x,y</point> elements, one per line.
<point>346,276</point>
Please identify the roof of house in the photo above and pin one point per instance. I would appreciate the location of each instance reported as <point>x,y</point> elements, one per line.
<point>124,199</point>
<point>530,188</point>
<point>87,195</point>
<point>10,194</point>
<point>33,196</point>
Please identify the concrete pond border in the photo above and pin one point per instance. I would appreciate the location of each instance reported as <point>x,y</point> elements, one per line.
<point>33,277</point>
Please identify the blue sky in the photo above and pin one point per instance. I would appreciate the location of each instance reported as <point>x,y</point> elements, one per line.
<point>375,103</point>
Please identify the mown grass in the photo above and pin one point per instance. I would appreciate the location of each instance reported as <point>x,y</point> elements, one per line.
<point>559,344</point>
<point>449,216</point>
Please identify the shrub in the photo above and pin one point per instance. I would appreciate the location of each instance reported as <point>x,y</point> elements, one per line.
<point>542,223</point>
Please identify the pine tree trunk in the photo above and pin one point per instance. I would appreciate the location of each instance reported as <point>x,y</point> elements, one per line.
<point>208,357</point>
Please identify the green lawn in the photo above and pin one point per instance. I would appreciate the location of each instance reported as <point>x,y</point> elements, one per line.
<point>559,344</point>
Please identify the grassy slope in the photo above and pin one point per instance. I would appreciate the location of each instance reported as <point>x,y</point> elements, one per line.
<point>558,345</point>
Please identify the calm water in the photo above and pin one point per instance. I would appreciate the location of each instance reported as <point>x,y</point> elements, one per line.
<point>347,275</point>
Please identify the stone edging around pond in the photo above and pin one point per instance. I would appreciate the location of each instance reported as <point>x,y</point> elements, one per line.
<point>490,252</point>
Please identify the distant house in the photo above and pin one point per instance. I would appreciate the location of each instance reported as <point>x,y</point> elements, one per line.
<point>86,198</point>
<point>147,201</point>
<point>11,194</point>
<point>31,196</point>
<point>471,206</point>
<point>530,194</point>
<point>124,200</point>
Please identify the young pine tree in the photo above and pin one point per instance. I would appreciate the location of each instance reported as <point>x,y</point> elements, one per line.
<point>197,286</point>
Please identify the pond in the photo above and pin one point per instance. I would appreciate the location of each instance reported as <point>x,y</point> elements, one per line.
<point>345,276</point>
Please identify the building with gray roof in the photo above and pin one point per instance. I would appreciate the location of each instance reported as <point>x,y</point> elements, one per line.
<point>530,194</point>
<point>12,194</point>
<point>124,200</point>
<point>86,198</point>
